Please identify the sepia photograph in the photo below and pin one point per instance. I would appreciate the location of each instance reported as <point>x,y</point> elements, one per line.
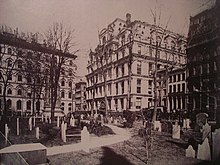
<point>109,82</point>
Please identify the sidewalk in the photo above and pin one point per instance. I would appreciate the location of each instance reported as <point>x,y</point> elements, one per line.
<point>120,135</point>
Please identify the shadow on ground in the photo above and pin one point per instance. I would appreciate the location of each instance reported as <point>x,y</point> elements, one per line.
<point>179,144</point>
<point>112,158</point>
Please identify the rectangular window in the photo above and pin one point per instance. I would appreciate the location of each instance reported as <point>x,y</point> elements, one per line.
<point>122,70</point>
<point>179,77</point>
<point>139,49</point>
<point>170,79</point>
<point>122,87</point>
<point>183,76</point>
<point>138,68</point>
<point>170,87</point>
<point>116,71</point>
<point>19,77</point>
<point>178,87</point>
<point>138,85</point>
<point>174,88</point>
<point>138,103</point>
<point>174,78</point>
<point>116,86</point>
<point>183,87</point>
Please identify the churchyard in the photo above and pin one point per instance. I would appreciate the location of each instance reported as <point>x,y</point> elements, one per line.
<point>146,143</point>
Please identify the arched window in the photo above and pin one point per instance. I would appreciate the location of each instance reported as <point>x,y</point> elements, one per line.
<point>9,51</point>
<point>62,83</point>
<point>70,95</point>
<point>9,104</point>
<point>19,92</point>
<point>19,64</point>
<point>70,72</point>
<point>62,94</point>
<point>70,84</point>
<point>28,105</point>
<point>9,91</point>
<point>18,105</point>
<point>70,106</point>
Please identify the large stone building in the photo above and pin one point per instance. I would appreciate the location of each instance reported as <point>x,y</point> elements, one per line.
<point>203,57</point>
<point>124,61</point>
<point>24,68</point>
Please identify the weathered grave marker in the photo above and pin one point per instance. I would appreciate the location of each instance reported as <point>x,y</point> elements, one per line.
<point>85,139</point>
<point>18,126</point>
<point>190,152</point>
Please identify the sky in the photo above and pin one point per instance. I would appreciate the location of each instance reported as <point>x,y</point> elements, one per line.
<point>87,17</point>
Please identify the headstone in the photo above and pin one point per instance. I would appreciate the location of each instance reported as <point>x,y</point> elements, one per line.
<point>37,132</point>
<point>115,121</point>
<point>64,132</point>
<point>34,121</point>
<point>18,126</point>
<point>187,123</point>
<point>58,121</point>
<point>95,115</point>
<point>49,119</point>
<point>81,116</point>
<point>204,151</point>
<point>176,131</point>
<point>111,119</point>
<point>6,133</point>
<point>216,144</point>
<point>190,152</point>
<point>85,139</point>
<point>30,123</point>
<point>72,121</point>
<point>157,125</point>
<point>42,117</point>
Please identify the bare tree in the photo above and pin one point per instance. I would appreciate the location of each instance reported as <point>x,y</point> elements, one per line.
<point>59,39</point>
<point>9,57</point>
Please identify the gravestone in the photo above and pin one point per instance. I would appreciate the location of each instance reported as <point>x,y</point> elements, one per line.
<point>190,152</point>
<point>37,133</point>
<point>6,133</point>
<point>64,132</point>
<point>85,139</point>
<point>18,126</point>
<point>176,131</point>
<point>157,126</point>
<point>34,121</point>
<point>204,151</point>
<point>216,144</point>
<point>72,121</point>
<point>42,117</point>
<point>30,123</point>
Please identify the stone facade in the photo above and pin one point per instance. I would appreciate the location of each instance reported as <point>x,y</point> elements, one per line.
<point>127,50</point>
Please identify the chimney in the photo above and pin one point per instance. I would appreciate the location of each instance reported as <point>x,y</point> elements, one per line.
<point>128,19</point>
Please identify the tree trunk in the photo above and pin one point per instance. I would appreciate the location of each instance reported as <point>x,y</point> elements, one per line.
<point>155,86</point>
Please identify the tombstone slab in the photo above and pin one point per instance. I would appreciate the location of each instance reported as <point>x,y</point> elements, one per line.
<point>190,152</point>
